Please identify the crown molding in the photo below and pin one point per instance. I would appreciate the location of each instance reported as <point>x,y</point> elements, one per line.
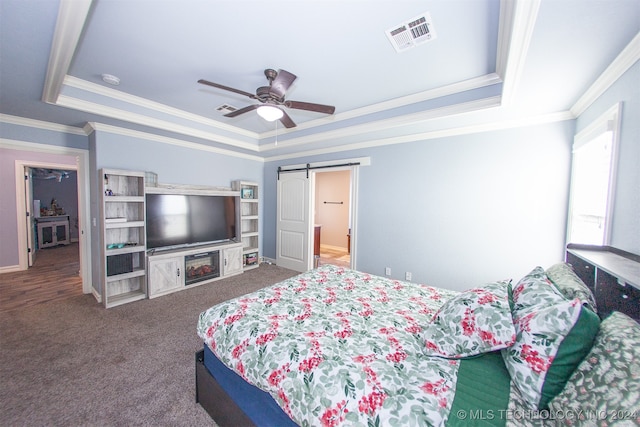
<point>505,24</point>
<point>100,127</point>
<point>78,104</point>
<point>439,92</point>
<point>424,136</point>
<point>517,22</point>
<point>15,144</point>
<point>72,15</point>
<point>141,119</point>
<point>380,125</point>
<point>39,124</point>
<point>467,85</point>
<point>153,106</point>
<point>629,56</point>
<point>607,121</point>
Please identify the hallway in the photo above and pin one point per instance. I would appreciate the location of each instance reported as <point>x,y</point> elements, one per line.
<point>54,275</point>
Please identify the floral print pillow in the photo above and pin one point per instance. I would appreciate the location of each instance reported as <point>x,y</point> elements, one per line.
<point>607,382</point>
<point>550,343</point>
<point>473,322</point>
<point>533,292</point>
<point>567,282</point>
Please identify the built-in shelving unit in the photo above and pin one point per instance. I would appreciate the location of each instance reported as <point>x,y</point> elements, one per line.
<point>122,217</point>
<point>249,220</point>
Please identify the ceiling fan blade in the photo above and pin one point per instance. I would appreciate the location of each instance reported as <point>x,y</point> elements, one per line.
<point>282,82</point>
<point>318,108</point>
<point>242,110</point>
<point>286,120</point>
<point>230,89</point>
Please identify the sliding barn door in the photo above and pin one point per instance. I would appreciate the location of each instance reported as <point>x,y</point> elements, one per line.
<point>293,221</point>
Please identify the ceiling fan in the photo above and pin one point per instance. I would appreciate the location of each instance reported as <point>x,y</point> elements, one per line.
<point>272,98</point>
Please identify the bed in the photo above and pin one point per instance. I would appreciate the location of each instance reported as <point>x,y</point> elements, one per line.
<point>335,346</point>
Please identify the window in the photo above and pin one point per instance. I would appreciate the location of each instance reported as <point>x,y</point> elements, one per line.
<point>592,181</point>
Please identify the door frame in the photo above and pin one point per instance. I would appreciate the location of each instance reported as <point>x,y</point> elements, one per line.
<point>82,169</point>
<point>28,206</point>
<point>329,166</point>
<point>353,196</point>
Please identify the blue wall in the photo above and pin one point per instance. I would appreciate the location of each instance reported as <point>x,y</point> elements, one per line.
<point>460,211</point>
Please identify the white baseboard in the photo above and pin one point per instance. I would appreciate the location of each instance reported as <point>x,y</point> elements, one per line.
<point>10,269</point>
<point>96,295</point>
<point>268,260</point>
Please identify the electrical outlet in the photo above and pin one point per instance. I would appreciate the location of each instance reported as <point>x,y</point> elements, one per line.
<point>387,271</point>
<point>407,276</point>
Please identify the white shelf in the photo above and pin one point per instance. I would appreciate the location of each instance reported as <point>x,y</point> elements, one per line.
<point>125,276</point>
<point>125,250</point>
<point>122,212</point>
<point>124,224</point>
<point>126,297</point>
<point>249,219</point>
<point>124,199</point>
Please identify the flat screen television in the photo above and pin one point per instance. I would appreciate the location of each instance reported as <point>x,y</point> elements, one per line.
<point>177,220</point>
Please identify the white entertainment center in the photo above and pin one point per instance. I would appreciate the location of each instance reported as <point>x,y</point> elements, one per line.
<point>135,266</point>
<point>175,270</point>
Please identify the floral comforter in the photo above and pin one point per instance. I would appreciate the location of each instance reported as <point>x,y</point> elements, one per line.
<point>335,346</point>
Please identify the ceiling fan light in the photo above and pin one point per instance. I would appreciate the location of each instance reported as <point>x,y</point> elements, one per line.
<point>269,112</point>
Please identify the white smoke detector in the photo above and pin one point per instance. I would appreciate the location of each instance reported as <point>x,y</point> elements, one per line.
<point>412,32</point>
<point>111,79</point>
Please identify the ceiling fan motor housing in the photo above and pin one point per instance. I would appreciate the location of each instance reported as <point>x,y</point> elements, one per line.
<point>264,94</point>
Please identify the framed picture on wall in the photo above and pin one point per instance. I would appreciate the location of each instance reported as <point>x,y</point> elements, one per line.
<point>247,193</point>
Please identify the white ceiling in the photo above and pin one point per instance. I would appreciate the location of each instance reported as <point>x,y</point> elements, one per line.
<point>490,61</point>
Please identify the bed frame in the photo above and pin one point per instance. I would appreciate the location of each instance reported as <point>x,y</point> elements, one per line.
<point>215,400</point>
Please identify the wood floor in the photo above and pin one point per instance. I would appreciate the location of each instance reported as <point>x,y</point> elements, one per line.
<point>54,275</point>
<point>333,256</point>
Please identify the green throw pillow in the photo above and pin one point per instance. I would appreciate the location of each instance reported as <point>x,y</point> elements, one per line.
<point>550,343</point>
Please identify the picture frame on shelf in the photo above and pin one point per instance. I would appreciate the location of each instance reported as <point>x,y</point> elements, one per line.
<point>246,193</point>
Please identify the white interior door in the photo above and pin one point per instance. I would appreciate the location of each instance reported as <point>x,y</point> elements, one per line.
<point>293,249</point>
<point>28,196</point>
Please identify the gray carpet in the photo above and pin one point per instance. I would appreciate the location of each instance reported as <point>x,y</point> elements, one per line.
<point>74,363</point>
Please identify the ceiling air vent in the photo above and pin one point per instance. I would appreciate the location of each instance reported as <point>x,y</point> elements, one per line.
<point>409,34</point>
<point>226,109</point>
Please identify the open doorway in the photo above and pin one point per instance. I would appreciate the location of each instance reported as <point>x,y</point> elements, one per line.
<point>27,154</point>
<point>295,218</point>
<point>56,230</point>
<point>332,218</point>
<point>52,199</point>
